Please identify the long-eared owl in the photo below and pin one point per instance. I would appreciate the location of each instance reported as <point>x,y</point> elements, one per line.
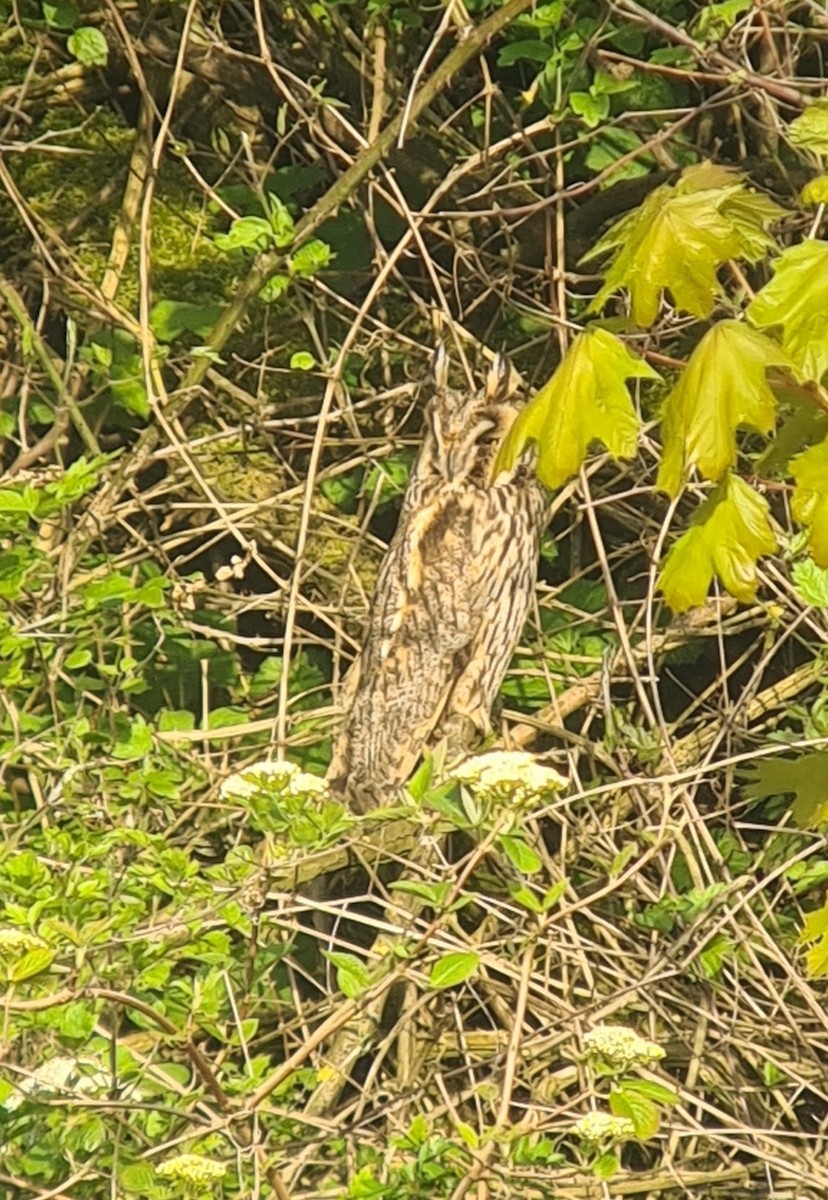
<point>451,597</point>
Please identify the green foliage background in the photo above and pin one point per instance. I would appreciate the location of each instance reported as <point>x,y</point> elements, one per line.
<point>231,235</point>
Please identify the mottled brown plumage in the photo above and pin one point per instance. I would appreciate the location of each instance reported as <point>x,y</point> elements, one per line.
<point>451,597</point>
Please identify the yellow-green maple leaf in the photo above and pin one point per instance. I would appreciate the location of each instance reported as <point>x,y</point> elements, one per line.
<point>722,386</point>
<point>586,400</point>
<point>678,239</point>
<point>729,533</point>
<point>810,129</point>
<point>796,299</point>
<point>815,191</point>
<point>805,778</point>
<point>810,498</point>
<point>815,929</point>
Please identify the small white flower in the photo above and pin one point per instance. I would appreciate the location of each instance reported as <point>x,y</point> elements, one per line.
<point>620,1048</point>
<point>17,942</point>
<point>600,1127</point>
<point>509,773</point>
<point>253,778</point>
<point>194,1169</point>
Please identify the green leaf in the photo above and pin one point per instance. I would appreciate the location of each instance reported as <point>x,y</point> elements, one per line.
<point>804,777</point>
<point>815,191</point>
<point>586,400</point>
<point>310,258</point>
<point>811,582</point>
<point>771,1074</point>
<point>453,969</point>
<point>712,957</point>
<point>60,15</point>
<point>246,233</point>
<point>526,51</point>
<point>729,533</point>
<point>24,500</point>
<point>302,361</point>
<point>170,318</point>
<point>553,894</point>
<point>275,287</point>
<point>679,237</point>
<point>715,20</point>
<point>175,719</point>
<point>133,738</point>
<point>606,1165</point>
<point>652,1090</point>
<point>77,1020</point>
<point>593,108</point>
<point>88,46</point>
<point>434,894</point>
<point>140,1178</point>
<point>114,587</point>
<point>526,899</point>
<point>796,300</point>
<point>609,145</point>
<point>34,962</point>
<point>281,222</point>
<point>78,659</point>
<point>810,498</point>
<point>520,853</point>
<point>815,925</point>
<point>810,129</point>
<point>352,975</point>
<point>639,1109</point>
<point>722,387</point>
<point>816,960</point>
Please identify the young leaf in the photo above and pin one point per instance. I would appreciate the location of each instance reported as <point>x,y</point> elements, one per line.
<point>652,1090</point>
<point>815,929</point>
<point>170,318</point>
<point>810,130</point>
<point>723,386</point>
<point>275,287</point>
<point>351,973</point>
<point>810,498</point>
<point>585,400</point>
<point>815,191</point>
<point>796,299</point>
<point>625,1102</point>
<point>88,46</point>
<point>521,854</point>
<point>246,233</point>
<point>729,533</point>
<point>810,581</point>
<point>606,1165</point>
<point>310,258</point>
<point>31,964</point>
<point>678,239</point>
<point>453,968</point>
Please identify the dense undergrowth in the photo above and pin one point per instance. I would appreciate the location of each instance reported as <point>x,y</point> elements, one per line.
<point>231,235</point>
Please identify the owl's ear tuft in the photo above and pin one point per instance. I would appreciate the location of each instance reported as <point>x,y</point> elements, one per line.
<point>499,384</point>
<point>440,368</point>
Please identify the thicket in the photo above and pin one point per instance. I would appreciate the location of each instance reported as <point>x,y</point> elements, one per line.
<point>231,235</point>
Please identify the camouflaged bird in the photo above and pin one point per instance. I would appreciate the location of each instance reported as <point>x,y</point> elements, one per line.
<point>451,597</point>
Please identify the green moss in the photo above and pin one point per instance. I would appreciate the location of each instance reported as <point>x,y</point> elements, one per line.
<point>247,474</point>
<point>186,263</point>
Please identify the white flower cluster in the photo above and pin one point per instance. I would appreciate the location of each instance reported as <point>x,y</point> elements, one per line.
<point>619,1048</point>
<point>601,1127</point>
<point>194,1169</point>
<point>509,773</point>
<point>253,778</point>
<point>17,942</point>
